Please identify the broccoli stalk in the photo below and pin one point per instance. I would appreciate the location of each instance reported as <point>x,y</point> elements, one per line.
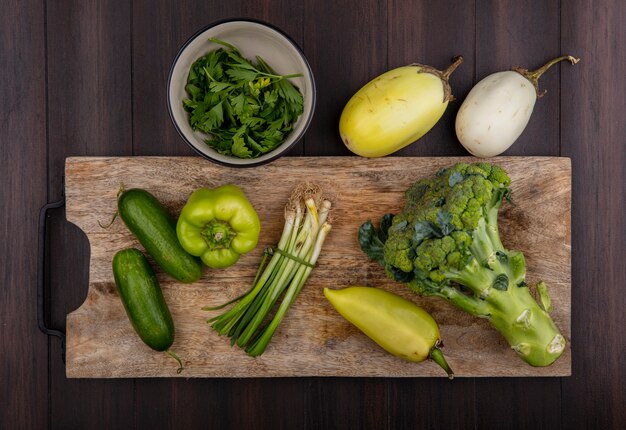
<point>446,243</point>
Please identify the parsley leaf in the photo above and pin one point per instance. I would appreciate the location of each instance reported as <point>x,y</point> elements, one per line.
<point>213,118</point>
<point>242,74</point>
<point>220,86</point>
<point>246,108</point>
<point>239,148</point>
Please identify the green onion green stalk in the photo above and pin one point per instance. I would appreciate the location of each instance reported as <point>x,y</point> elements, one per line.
<point>277,284</point>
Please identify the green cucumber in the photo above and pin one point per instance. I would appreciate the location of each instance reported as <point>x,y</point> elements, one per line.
<point>155,229</point>
<point>143,300</point>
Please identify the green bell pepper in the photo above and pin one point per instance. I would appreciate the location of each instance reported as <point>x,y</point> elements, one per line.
<point>218,225</point>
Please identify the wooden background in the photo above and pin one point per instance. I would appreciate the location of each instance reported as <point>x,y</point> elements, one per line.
<point>87,77</point>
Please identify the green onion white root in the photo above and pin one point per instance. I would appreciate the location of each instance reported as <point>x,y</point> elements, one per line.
<point>307,223</point>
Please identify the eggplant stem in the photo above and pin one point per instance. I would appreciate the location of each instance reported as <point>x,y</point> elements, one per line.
<point>540,71</point>
<point>456,62</point>
<point>534,76</point>
<point>444,76</point>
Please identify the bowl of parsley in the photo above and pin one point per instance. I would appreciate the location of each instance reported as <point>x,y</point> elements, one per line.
<point>241,93</point>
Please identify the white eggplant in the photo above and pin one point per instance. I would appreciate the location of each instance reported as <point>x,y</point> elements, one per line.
<point>498,108</point>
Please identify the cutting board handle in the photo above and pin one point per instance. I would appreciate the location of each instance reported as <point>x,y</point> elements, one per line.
<point>41,274</point>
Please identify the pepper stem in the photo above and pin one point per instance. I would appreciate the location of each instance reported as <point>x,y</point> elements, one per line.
<point>437,356</point>
<point>218,234</point>
<point>534,76</point>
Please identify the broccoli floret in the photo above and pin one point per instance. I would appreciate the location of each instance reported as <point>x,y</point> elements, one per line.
<point>446,243</point>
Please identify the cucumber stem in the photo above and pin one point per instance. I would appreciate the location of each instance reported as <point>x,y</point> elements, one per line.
<point>106,226</point>
<point>117,212</point>
<point>177,358</point>
<point>534,76</point>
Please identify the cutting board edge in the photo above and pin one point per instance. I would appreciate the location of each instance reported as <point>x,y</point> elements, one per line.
<point>469,158</point>
<point>566,372</point>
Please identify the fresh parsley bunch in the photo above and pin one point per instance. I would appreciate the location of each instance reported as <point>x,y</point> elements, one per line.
<point>246,108</point>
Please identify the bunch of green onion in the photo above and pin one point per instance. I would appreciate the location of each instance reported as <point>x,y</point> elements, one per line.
<point>306,226</point>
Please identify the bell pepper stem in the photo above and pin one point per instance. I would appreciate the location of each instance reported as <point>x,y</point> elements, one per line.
<point>437,356</point>
<point>218,234</point>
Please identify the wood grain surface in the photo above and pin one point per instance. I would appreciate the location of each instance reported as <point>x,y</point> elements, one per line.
<point>21,197</point>
<point>313,340</point>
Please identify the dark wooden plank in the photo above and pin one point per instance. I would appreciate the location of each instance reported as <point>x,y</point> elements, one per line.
<point>23,356</point>
<point>236,403</point>
<point>274,403</point>
<point>89,103</point>
<point>432,403</point>
<point>181,404</point>
<point>89,82</point>
<point>518,404</point>
<point>347,403</point>
<point>266,404</point>
<point>521,33</point>
<point>432,33</point>
<point>593,130</point>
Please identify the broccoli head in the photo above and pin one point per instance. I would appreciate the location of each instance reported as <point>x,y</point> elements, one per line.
<point>446,243</point>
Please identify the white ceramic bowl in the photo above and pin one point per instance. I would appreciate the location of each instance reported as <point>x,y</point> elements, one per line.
<point>252,38</point>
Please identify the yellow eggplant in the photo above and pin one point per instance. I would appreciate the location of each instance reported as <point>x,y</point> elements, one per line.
<point>395,109</point>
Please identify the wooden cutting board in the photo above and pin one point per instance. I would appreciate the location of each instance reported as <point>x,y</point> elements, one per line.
<point>313,340</point>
